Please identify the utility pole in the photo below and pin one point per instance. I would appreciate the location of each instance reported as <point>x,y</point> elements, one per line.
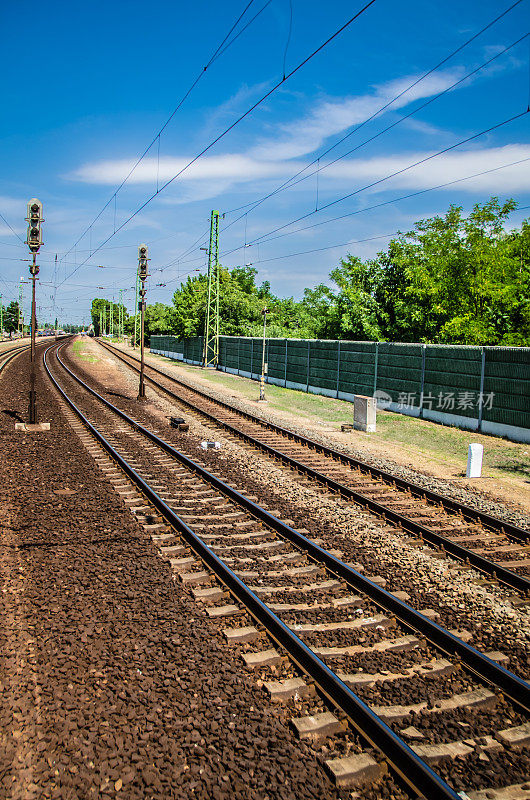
<point>142,274</point>
<point>211,332</point>
<point>1,318</point>
<point>20,323</point>
<point>112,319</point>
<point>135,340</point>
<point>263,364</point>
<point>34,241</point>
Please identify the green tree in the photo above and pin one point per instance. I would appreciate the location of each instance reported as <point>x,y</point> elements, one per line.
<point>453,279</point>
<point>11,317</point>
<point>102,306</point>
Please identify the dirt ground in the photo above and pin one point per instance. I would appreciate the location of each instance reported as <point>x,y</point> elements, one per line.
<point>436,450</point>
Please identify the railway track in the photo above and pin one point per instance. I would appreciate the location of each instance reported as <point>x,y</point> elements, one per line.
<point>496,548</point>
<point>392,675</point>
<point>8,355</point>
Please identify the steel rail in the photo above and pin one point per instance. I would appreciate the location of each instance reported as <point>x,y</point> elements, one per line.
<point>15,351</point>
<point>491,568</point>
<point>409,766</point>
<point>508,528</point>
<point>488,670</point>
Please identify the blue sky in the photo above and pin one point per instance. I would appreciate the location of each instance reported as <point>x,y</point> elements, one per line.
<point>91,85</point>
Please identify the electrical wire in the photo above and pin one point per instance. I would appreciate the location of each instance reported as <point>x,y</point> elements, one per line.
<point>392,175</point>
<point>228,129</point>
<point>185,96</point>
<point>292,181</point>
<point>383,203</point>
<point>375,114</point>
<point>13,231</point>
<point>411,113</point>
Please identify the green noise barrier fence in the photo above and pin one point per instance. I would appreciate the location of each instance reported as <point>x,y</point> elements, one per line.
<point>479,388</point>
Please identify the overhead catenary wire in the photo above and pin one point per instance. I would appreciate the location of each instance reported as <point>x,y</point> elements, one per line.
<point>394,200</point>
<point>295,179</point>
<point>378,205</point>
<point>290,182</point>
<point>411,113</point>
<point>185,96</point>
<point>393,175</point>
<point>13,231</point>
<point>220,136</point>
<point>379,111</point>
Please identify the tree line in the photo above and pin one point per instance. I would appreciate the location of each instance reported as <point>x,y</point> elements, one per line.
<point>453,279</point>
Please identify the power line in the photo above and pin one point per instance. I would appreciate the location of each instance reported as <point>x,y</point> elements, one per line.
<point>228,129</point>
<point>379,205</point>
<point>410,114</point>
<point>383,203</point>
<point>290,182</point>
<point>213,58</point>
<point>393,174</point>
<point>403,197</point>
<point>13,231</point>
<point>447,58</point>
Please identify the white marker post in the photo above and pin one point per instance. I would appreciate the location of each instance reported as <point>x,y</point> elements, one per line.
<point>475,455</point>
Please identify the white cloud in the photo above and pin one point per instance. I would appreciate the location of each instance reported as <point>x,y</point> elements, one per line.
<point>331,117</point>
<point>212,176</point>
<point>231,167</point>
<point>442,169</point>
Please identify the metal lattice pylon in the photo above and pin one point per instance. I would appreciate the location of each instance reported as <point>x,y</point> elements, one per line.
<point>211,330</point>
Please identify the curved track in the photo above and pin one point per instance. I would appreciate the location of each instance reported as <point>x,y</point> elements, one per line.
<point>242,534</point>
<point>493,546</point>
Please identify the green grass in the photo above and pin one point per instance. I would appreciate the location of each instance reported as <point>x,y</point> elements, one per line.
<point>439,442</point>
<point>80,352</point>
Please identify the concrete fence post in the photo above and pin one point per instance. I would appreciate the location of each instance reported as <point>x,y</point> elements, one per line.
<point>376,360</point>
<point>285,371</point>
<point>338,367</point>
<point>422,379</point>
<point>308,359</point>
<point>481,390</point>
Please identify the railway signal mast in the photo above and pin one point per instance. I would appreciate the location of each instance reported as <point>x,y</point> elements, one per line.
<point>34,241</point>
<point>211,332</point>
<point>142,274</point>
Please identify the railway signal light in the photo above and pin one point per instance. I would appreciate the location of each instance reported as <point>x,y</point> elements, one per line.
<point>142,275</point>
<point>142,261</point>
<point>34,241</point>
<point>35,220</point>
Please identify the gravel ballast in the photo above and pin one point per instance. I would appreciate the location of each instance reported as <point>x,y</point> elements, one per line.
<point>487,611</point>
<point>113,682</point>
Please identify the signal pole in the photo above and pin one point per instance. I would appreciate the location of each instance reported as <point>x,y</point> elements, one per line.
<point>34,241</point>
<point>211,332</point>
<point>142,274</point>
<point>20,323</point>
<point>135,341</point>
